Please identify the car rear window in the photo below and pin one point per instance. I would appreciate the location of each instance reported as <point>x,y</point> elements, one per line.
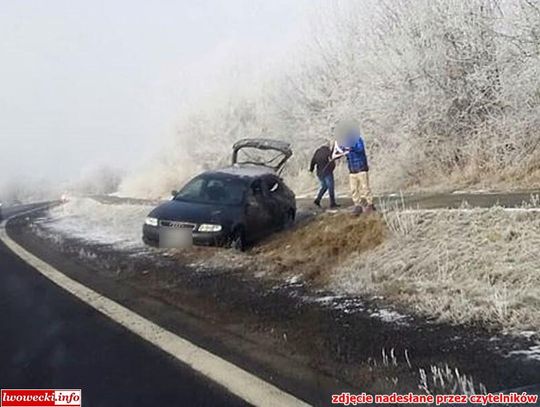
<point>213,190</point>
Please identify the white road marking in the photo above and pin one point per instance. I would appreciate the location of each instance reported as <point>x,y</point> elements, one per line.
<point>236,380</point>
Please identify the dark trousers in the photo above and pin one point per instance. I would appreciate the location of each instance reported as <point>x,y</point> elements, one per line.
<point>327,184</point>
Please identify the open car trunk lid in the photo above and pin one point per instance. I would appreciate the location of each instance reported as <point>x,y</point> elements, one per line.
<point>251,151</point>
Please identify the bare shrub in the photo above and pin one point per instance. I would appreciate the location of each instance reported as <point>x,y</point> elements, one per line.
<point>399,221</point>
<point>97,181</point>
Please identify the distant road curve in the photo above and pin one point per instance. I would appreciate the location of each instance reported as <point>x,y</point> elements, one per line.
<point>8,211</point>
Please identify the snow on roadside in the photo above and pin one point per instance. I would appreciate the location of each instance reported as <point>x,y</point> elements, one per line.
<point>87,219</point>
<point>532,353</point>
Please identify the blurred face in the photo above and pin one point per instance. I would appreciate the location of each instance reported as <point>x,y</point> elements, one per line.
<point>345,130</point>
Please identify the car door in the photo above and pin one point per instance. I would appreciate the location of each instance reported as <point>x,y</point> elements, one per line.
<point>276,202</point>
<point>280,152</point>
<point>258,214</point>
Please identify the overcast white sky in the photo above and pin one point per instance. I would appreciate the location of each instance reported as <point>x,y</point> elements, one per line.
<point>84,83</point>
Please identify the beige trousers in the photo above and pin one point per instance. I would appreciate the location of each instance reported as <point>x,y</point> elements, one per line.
<point>360,191</point>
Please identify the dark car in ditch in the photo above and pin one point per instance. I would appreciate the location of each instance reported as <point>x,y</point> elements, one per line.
<point>233,206</point>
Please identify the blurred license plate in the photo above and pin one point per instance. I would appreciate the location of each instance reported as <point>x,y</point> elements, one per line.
<point>177,238</point>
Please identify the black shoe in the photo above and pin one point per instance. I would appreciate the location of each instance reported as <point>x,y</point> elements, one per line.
<point>370,208</point>
<point>317,203</point>
<point>335,206</point>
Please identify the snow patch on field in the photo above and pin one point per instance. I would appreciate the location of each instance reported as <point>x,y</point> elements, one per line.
<point>389,316</point>
<point>532,353</point>
<point>466,210</point>
<point>87,219</point>
<point>351,305</point>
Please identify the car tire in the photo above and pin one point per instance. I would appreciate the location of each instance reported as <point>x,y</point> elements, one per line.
<point>288,219</point>
<point>238,240</point>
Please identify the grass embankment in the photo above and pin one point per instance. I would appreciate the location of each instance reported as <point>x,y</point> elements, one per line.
<point>316,248</point>
<point>461,266</point>
<point>465,266</point>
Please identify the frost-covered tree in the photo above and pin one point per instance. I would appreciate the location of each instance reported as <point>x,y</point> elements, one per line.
<point>447,92</point>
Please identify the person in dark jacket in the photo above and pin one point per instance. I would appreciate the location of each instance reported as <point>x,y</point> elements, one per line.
<point>325,165</point>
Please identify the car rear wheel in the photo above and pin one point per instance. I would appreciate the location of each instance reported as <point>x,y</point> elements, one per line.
<point>288,219</point>
<point>238,240</point>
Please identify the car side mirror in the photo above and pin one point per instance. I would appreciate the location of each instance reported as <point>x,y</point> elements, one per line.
<point>174,192</point>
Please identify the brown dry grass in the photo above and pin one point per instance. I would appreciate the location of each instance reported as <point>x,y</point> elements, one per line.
<point>461,266</point>
<point>315,248</point>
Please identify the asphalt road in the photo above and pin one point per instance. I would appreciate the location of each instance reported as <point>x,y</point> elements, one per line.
<point>50,339</point>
